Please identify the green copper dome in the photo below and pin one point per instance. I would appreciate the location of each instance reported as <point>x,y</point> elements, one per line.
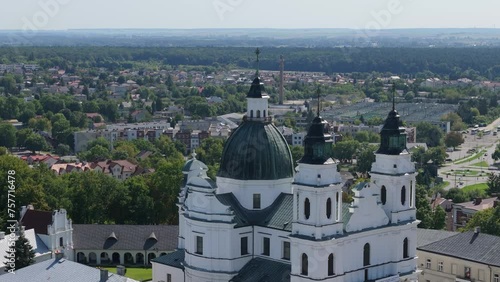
<point>256,151</point>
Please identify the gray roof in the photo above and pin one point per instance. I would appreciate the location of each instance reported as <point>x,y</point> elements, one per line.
<point>128,237</point>
<point>60,270</point>
<point>279,215</point>
<point>263,270</point>
<point>174,259</point>
<point>427,236</point>
<point>477,247</point>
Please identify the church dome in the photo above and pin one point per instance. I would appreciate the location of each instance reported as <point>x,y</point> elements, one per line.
<point>256,151</point>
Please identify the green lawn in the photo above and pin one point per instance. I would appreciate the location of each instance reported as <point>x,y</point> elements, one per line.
<point>471,158</point>
<point>481,164</point>
<point>466,172</point>
<point>479,186</point>
<point>139,274</point>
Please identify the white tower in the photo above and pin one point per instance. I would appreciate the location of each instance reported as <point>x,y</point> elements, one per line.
<point>317,209</point>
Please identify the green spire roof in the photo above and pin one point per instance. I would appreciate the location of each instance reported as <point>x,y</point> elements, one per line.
<point>317,143</point>
<point>257,89</point>
<point>392,136</point>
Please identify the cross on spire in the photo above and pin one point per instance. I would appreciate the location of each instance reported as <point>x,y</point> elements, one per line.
<point>393,96</point>
<point>257,53</point>
<point>318,91</point>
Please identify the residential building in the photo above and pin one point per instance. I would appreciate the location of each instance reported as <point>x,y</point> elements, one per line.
<point>462,212</point>
<point>468,256</point>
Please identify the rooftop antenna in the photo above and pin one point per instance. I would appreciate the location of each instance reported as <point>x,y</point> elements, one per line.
<point>318,91</point>
<point>257,53</point>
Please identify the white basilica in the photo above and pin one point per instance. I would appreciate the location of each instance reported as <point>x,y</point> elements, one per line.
<point>265,220</point>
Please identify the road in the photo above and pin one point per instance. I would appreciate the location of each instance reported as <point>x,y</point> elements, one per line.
<point>477,174</point>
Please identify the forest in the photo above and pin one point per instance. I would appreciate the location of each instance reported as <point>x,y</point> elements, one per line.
<point>450,63</point>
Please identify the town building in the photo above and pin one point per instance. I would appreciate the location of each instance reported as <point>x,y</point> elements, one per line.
<point>452,256</point>
<point>265,220</point>
<point>463,212</point>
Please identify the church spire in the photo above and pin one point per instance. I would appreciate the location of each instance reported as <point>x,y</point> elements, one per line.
<point>394,96</point>
<point>393,134</point>
<point>318,91</point>
<point>257,53</point>
<point>317,143</point>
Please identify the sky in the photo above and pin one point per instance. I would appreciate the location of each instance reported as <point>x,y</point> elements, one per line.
<point>188,14</point>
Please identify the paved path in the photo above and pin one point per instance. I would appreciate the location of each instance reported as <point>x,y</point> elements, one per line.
<point>487,142</point>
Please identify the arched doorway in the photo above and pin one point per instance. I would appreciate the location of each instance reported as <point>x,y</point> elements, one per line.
<point>92,258</point>
<point>139,258</point>
<point>105,258</point>
<point>150,257</point>
<point>128,258</point>
<point>81,258</point>
<point>116,258</point>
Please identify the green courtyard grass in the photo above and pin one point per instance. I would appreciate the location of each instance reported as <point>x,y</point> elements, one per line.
<point>474,187</point>
<point>465,172</point>
<point>471,158</point>
<point>139,274</point>
<point>481,164</point>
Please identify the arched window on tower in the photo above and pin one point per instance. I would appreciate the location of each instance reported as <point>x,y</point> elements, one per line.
<point>403,195</point>
<point>366,254</point>
<point>328,208</point>
<point>251,113</point>
<point>305,266</point>
<point>405,248</point>
<point>331,267</point>
<point>264,113</point>
<point>307,208</point>
<point>383,195</point>
<point>337,203</point>
<point>258,113</point>
<point>411,194</point>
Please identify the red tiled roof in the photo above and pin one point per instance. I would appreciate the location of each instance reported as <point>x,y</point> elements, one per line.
<point>39,220</point>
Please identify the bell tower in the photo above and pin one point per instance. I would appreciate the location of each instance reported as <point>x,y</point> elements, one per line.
<point>317,205</point>
<point>393,172</point>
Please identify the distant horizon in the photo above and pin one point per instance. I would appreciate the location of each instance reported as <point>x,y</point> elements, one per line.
<point>263,28</point>
<point>276,14</point>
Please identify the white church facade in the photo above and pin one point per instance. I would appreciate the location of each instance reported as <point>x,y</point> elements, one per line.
<point>265,220</point>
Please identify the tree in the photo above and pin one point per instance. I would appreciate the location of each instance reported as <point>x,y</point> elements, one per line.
<point>36,142</point>
<point>42,124</point>
<point>438,218</point>
<point>457,195</point>
<point>297,153</point>
<point>96,153</point>
<point>424,212</point>
<point>24,254</point>
<point>429,134</point>
<point>63,150</point>
<point>60,128</point>
<point>167,147</point>
<point>345,150</point>
<point>488,220</point>
<point>496,154</point>
<point>366,158</point>
<point>7,135</point>
<point>493,184</point>
<point>101,141</point>
<point>453,139</point>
